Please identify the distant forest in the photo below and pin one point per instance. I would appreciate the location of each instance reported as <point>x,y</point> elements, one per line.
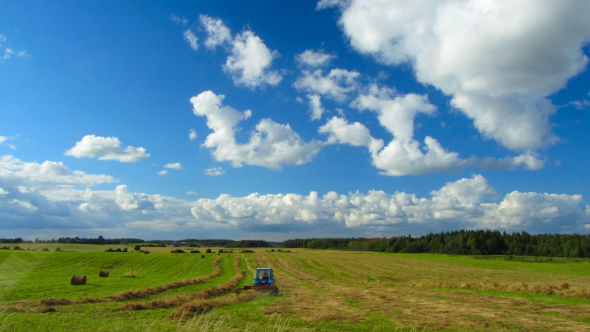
<point>477,242</point>
<point>154,243</point>
<point>472,242</point>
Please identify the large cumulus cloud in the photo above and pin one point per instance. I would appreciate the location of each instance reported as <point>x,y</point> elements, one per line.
<point>271,145</point>
<point>249,59</point>
<point>404,155</point>
<point>499,60</point>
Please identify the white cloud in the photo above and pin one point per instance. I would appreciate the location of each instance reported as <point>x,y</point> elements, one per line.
<point>192,134</point>
<point>106,148</point>
<point>315,106</point>
<point>580,104</point>
<point>537,212</point>
<point>355,134</point>
<point>395,112</point>
<point>218,33</point>
<point>15,172</point>
<point>499,60</point>
<point>23,54</point>
<point>461,203</point>
<point>7,53</point>
<point>132,201</point>
<point>191,192</point>
<point>4,139</point>
<point>336,85</point>
<point>182,21</point>
<point>514,124</point>
<point>271,144</point>
<point>323,4</point>
<point>86,207</point>
<point>54,207</point>
<point>43,197</point>
<point>250,60</point>
<point>404,155</point>
<point>314,59</point>
<point>176,166</point>
<point>163,172</point>
<point>528,160</point>
<point>191,39</point>
<point>215,171</point>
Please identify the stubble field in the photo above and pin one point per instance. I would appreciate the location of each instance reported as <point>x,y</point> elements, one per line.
<point>322,290</point>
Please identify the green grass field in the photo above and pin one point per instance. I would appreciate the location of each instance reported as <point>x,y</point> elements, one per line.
<point>322,291</point>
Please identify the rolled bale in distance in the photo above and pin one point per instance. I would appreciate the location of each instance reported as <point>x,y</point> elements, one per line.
<point>146,251</point>
<point>202,256</point>
<point>103,273</point>
<point>78,279</point>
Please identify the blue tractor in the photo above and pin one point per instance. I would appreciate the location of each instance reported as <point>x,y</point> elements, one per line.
<point>264,281</point>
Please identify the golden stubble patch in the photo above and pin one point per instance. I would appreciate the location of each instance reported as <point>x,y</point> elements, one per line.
<point>367,286</point>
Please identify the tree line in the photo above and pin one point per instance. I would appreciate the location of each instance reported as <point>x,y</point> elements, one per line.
<point>470,242</point>
<point>99,240</point>
<point>154,243</point>
<point>15,240</point>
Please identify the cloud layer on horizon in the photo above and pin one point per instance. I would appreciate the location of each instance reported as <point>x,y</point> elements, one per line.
<point>54,203</point>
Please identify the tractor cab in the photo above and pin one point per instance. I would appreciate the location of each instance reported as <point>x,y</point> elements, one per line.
<point>263,276</point>
<point>264,281</point>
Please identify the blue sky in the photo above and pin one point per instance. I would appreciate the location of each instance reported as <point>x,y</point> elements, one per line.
<point>329,118</point>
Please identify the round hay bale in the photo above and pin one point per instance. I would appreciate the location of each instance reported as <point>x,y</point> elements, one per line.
<point>78,279</point>
<point>103,273</point>
<point>146,251</point>
<point>202,256</point>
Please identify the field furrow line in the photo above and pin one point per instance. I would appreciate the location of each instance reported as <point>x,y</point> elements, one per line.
<point>201,306</point>
<point>179,300</point>
<point>308,298</point>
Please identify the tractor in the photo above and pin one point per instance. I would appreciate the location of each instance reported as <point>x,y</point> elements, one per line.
<point>264,281</point>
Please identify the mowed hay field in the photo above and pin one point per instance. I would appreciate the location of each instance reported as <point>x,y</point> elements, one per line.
<point>323,290</point>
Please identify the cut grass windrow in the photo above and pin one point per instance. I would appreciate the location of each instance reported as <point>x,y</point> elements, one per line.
<point>564,289</point>
<point>178,300</point>
<point>138,294</point>
<point>201,306</point>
